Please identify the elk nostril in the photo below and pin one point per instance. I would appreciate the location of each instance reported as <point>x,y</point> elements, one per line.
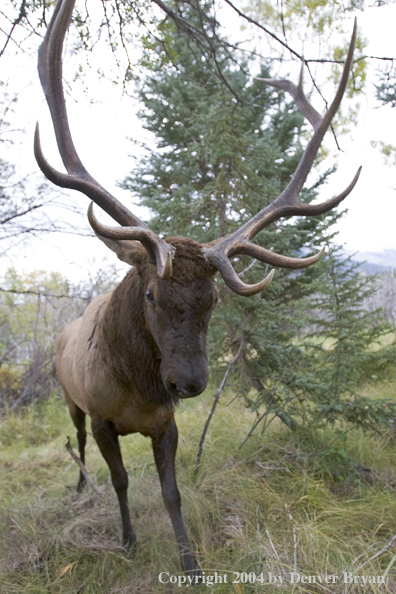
<point>172,388</point>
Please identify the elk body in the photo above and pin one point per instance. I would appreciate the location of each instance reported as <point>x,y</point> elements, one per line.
<point>130,357</point>
<point>138,350</point>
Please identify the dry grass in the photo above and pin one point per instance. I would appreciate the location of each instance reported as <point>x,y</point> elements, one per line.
<point>271,508</point>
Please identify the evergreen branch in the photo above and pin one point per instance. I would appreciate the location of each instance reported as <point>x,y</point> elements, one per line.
<point>253,427</point>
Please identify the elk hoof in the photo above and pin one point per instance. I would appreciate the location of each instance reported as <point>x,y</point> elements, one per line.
<point>193,571</point>
<point>129,544</point>
<point>81,485</point>
<point>196,576</point>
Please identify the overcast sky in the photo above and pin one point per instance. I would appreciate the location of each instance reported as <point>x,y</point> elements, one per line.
<point>101,134</point>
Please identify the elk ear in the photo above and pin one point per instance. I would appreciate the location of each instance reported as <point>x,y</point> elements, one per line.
<point>131,252</point>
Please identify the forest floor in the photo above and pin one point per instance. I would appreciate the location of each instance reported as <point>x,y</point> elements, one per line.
<point>288,512</point>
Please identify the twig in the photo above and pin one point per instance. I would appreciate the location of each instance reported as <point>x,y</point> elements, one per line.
<point>215,402</point>
<point>253,427</point>
<point>287,506</point>
<point>388,547</point>
<point>41,294</point>
<point>3,357</point>
<point>272,544</point>
<point>82,467</point>
<point>254,22</point>
<point>247,268</point>
<point>271,467</point>
<point>21,15</point>
<point>357,558</point>
<point>272,403</point>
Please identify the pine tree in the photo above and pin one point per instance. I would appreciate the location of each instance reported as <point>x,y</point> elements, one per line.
<point>347,345</point>
<point>217,162</point>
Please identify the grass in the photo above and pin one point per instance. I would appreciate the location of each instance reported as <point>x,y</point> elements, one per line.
<point>267,509</point>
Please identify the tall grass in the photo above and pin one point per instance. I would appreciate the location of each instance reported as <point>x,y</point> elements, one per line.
<point>275,506</point>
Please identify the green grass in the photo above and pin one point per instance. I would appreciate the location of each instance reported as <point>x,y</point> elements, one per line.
<point>274,503</point>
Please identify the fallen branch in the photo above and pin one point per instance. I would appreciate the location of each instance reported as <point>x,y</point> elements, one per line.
<point>81,467</point>
<point>386,548</point>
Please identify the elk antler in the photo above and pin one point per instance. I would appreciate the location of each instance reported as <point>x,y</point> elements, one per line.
<point>287,204</point>
<point>77,177</point>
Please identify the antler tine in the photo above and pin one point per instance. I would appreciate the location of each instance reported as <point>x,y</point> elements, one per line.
<point>78,178</point>
<point>145,236</point>
<point>320,124</point>
<point>287,204</point>
<point>297,92</point>
<point>241,288</point>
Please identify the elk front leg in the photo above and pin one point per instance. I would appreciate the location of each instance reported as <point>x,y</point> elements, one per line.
<point>164,447</point>
<point>107,439</point>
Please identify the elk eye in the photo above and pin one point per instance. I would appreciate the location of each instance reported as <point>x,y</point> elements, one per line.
<point>150,296</point>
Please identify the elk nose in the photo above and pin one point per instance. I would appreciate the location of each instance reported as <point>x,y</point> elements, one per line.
<point>193,388</point>
<point>186,388</point>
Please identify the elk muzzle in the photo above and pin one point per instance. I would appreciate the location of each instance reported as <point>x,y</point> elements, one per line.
<point>185,378</point>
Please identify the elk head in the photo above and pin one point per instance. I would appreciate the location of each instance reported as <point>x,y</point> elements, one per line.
<point>176,310</point>
<point>169,287</point>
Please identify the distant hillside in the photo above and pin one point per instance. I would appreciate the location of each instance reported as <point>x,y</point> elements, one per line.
<point>375,262</point>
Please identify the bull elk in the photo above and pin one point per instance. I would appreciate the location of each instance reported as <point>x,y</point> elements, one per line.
<point>136,351</point>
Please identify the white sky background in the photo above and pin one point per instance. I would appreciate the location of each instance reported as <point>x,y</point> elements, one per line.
<point>101,132</point>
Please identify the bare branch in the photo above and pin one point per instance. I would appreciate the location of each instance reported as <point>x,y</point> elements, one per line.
<point>215,402</point>
<point>43,294</point>
<point>21,15</point>
<point>260,26</point>
<point>81,467</point>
